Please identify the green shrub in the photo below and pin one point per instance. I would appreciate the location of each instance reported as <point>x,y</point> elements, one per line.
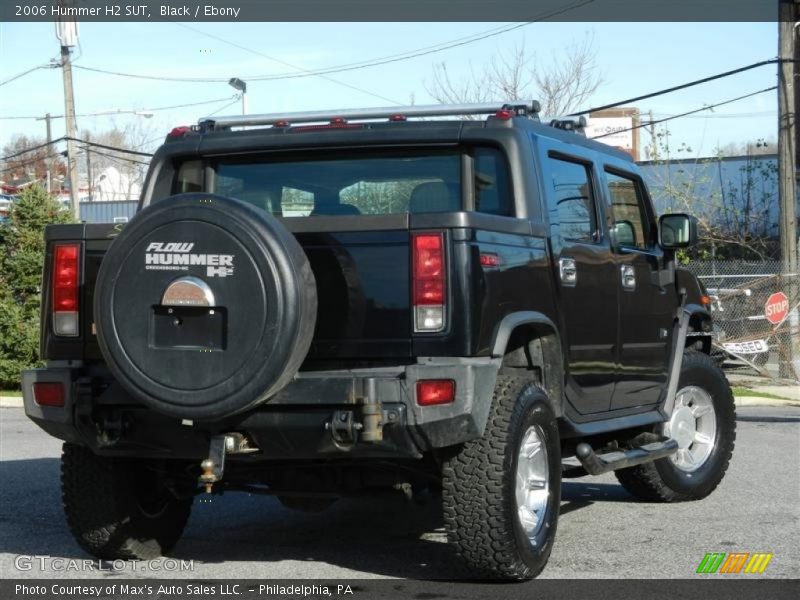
<point>21,262</point>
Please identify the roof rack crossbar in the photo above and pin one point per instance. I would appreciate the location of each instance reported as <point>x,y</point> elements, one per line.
<point>353,114</point>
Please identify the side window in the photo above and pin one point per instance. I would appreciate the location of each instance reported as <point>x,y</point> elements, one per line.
<point>492,183</point>
<point>571,207</point>
<point>629,226</point>
<point>189,177</point>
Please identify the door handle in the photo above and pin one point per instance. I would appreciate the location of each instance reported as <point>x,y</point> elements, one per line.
<point>568,271</point>
<point>628,274</point>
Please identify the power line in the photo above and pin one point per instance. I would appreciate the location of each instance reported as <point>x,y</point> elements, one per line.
<point>126,111</point>
<point>691,112</point>
<point>288,64</point>
<point>221,108</point>
<point>121,158</point>
<point>738,115</point>
<point>683,86</point>
<point>65,139</point>
<point>31,70</point>
<point>107,147</point>
<point>650,95</point>
<point>429,49</point>
<point>30,161</point>
<point>326,70</point>
<point>377,61</point>
<point>407,55</point>
<point>33,149</point>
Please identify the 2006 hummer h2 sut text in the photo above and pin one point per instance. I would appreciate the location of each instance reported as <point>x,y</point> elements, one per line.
<point>316,304</point>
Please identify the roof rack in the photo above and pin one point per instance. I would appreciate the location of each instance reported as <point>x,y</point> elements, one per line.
<point>529,109</point>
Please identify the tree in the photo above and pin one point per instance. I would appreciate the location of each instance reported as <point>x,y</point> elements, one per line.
<point>734,202</point>
<point>562,86</point>
<point>21,261</point>
<point>131,168</point>
<point>758,147</point>
<point>34,163</point>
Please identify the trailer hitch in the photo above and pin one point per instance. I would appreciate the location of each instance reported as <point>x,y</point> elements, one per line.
<point>213,467</point>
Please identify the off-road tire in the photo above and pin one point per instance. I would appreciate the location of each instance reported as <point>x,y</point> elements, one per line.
<point>478,487</point>
<point>661,480</point>
<point>103,505</point>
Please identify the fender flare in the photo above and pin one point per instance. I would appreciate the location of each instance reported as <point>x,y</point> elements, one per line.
<point>552,352</point>
<point>698,310</point>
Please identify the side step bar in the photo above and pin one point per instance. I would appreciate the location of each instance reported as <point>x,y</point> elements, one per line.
<point>597,464</point>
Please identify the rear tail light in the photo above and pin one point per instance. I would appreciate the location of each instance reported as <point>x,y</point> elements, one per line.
<point>429,283</point>
<point>48,394</point>
<point>436,391</point>
<point>66,301</point>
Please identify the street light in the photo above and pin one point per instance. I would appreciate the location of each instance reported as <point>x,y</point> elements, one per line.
<point>241,86</point>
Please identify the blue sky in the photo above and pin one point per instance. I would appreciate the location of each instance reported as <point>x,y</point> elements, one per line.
<point>634,58</point>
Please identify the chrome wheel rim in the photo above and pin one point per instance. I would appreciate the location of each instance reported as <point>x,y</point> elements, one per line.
<point>532,483</point>
<point>693,425</point>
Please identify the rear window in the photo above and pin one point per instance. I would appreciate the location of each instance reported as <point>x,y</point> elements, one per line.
<point>361,184</point>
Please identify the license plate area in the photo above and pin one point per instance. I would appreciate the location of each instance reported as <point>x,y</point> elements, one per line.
<point>188,328</point>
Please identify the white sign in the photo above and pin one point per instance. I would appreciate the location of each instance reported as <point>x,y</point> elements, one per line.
<point>613,131</point>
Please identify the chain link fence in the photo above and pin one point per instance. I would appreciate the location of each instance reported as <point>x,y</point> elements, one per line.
<point>755,310</point>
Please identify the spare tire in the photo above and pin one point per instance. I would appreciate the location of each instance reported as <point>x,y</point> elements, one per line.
<point>204,306</point>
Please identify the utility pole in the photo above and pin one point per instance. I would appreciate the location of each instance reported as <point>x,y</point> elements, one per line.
<point>786,137</point>
<point>67,34</point>
<point>89,172</point>
<point>47,120</point>
<point>787,173</point>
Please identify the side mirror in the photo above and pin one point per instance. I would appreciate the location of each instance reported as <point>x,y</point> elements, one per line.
<point>677,231</point>
<point>623,234</point>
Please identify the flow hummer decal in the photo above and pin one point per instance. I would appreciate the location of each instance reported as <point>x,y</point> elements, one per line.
<point>175,256</point>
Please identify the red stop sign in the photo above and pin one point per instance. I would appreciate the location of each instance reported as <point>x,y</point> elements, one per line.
<point>777,308</point>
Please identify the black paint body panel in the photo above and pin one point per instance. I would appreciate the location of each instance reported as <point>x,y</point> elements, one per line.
<point>615,349</point>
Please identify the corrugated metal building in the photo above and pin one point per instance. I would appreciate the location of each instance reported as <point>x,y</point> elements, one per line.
<point>118,211</point>
<point>736,191</point>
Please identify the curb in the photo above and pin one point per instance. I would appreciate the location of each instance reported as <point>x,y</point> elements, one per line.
<point>10,401</point>
<point>760,401</point>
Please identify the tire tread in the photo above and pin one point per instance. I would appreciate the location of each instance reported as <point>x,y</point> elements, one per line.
<point>645,482</point>
<point>475,506</point>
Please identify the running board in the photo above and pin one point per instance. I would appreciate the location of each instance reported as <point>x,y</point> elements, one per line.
<point>597,464</point>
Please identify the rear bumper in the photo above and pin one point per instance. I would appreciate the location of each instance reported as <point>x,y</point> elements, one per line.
<point>295,424</point>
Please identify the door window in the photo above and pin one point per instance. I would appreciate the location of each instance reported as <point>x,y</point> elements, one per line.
<point>629,224</point>
<point>571,207</point>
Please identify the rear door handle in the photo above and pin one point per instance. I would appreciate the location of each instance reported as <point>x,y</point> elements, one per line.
<point>568,271</point>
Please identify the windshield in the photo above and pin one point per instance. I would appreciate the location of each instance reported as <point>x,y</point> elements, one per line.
<point>355,184</point>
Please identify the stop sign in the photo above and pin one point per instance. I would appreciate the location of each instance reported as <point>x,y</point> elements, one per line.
<point>777,308</point>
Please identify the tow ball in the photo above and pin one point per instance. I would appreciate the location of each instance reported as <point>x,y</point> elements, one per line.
<point>213,467</point>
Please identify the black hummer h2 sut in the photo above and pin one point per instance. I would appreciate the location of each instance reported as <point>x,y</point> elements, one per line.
<point>315,304</point>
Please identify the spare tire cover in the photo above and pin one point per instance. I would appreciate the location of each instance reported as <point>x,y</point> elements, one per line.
<point>205,306</point>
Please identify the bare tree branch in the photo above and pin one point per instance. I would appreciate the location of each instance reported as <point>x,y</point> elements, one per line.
<point>561,87</point>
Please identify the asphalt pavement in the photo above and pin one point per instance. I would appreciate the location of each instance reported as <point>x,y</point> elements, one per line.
<point>603,532</point>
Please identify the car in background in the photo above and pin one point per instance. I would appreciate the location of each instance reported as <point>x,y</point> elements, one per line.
<point>6,200</point>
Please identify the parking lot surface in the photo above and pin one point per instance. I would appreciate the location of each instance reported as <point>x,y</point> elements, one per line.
<point>603,532</point>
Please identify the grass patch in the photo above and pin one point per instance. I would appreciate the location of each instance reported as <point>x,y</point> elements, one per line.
<point>742,391</point>
<point>13,393</point>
